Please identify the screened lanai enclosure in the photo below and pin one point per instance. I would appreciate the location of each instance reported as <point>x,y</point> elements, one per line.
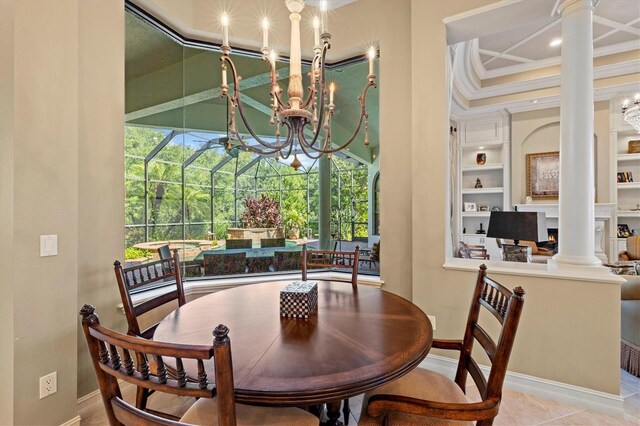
<point>190,185</point>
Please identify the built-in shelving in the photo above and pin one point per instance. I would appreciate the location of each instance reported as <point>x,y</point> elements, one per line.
<point>476,168</point>
<point>626,195</point>
<point>628,157</point>
<point>626,213</point>
<point>488,134</point>
<point>628,185</point>
<point>496,190</point>
<point>476,214</point>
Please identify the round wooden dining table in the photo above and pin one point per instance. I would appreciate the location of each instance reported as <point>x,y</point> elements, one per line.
<point>356,340</point>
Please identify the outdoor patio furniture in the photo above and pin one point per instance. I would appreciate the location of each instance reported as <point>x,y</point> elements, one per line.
<point>287,260</point>
<point>259,264</point>
<point>272,242</point>
<point>371,256</point>
<point>238,243</point>
<point>225,263</point>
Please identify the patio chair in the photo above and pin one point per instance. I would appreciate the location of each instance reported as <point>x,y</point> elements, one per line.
<point>425,397</point>
<point>225,263</point>
<point>117,357</point>
<point>272,242</point>
<point>287,260</point>
<point>238,244</point>
<point>373,257</point>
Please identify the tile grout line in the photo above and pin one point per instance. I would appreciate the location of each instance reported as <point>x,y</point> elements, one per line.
<point>561,417</point>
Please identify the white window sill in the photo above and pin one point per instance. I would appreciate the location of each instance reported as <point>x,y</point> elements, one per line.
<point>599,274</point>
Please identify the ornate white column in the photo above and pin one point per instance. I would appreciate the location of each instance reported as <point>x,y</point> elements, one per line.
<point>577,174</point>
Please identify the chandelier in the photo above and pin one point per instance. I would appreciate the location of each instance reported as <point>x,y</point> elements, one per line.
<point>632,114</point>
<point>307,120</point>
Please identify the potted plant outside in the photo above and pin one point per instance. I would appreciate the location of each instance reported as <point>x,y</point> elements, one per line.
<point>294,221</point>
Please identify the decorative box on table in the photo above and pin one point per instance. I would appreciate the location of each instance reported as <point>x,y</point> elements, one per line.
<point>299,299</point>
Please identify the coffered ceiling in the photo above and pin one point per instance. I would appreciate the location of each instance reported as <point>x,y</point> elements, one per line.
<point>616,28</point>
<point>512,64</point>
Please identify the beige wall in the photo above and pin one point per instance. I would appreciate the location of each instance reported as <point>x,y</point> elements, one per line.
<point>6,210</point>
<point>100,168</point>
<point>539,131</point>
<point>62,173</point>
<point>44,198</point>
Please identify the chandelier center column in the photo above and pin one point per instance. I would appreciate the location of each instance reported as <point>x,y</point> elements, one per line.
<point>295,90</point>
<point>576,225</point>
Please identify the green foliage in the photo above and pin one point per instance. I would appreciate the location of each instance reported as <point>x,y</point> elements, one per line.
<point>261,212</point>
<point>165,191</point>
<point>136,253</point>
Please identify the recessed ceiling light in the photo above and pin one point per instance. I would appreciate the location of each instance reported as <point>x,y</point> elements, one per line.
<point>481,147</point>
<point>535,101</point>
<point>555,42</point>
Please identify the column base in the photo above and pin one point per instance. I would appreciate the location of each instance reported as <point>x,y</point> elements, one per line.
<point>562,259</point>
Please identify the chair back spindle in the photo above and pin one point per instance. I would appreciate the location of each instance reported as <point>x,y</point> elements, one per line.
<point>506,307</point>
<point>140,276</point>
<point>331,259</point>
<point>111,357</point>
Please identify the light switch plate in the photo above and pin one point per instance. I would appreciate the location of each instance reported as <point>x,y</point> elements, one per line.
<point>48,245</point>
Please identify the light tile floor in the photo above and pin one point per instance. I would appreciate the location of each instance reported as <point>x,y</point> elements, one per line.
<point>517,408</point>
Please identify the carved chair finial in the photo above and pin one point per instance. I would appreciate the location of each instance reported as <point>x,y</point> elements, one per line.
<point>221,333</point>
<point>116,263</point>
<point>519,292</point>
<point>483,267</point>
<point>88,315</point>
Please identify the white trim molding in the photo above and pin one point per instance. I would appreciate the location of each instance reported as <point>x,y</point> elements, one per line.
<point>558,391</point>
<point>72,422</point>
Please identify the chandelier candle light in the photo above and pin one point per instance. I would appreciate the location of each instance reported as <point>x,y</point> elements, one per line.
<point>298,115</point>
<point>632,113</point>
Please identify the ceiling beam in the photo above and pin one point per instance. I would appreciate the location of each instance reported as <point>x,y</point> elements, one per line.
<point>613,31</point>
<point>496,55</point>
<point>627,28</point>
<point>205,95</point>
<point>523,41</point>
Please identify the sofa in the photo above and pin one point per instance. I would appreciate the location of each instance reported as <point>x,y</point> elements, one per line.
<point>630,325</point>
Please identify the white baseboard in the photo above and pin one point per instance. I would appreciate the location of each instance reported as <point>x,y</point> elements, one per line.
<point>85,401</point>
<point>563,392</point>
<point>73,422</point>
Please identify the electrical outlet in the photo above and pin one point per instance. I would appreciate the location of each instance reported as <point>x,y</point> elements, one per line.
<point>432,318</point>
<point>48,384</point>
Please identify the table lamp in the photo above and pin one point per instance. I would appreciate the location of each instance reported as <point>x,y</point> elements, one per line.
<point>516,226</point>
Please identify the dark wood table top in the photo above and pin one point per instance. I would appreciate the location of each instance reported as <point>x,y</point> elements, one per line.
<point>355,342</point>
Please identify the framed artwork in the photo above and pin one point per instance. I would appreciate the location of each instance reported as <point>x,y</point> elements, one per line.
<point>470,207</point>
<point>623,230</point>
<point>543,175</point>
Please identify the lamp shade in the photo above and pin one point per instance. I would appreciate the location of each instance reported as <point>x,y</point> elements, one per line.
<point>527,226</point>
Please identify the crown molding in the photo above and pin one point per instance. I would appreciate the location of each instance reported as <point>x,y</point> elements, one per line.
<point>605,71</point>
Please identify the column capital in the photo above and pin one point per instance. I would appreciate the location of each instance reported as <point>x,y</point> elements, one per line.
<point>569,6</point>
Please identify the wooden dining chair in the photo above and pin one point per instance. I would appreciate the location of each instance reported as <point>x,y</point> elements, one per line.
<point>333,259</point>
<point>317,259</point>
<point>117,357</point>
<point>135,278</point>
<point>424,397</point>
